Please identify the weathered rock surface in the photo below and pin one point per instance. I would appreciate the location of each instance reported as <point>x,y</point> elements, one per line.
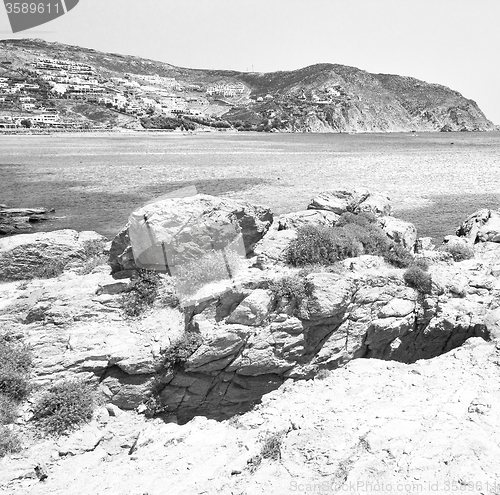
<point>481,226</point>
<point>19,220</point>
<point>24,256</point>
<point>177,230</point>
<point>352,200</point>
<point>400,231</point>
<point>307,217</point>
<point>252,341</point>
<point>429,426</point>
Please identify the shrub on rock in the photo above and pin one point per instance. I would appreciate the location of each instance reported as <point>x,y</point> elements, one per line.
<point>419,279</point>
<point>64,406</point>
<point>458,251</point>
<point>15,366</point>
<point>291,287</point>
<point>9,441</point>
<point>352,236</point>
<point>141,293</point>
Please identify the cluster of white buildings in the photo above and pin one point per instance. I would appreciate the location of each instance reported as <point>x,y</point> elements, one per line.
<point>67,77</point>
<point>132,93</point>
<point>226,89</point>
<point>166,82</point>
<point>9,87</point>
<point>11,122</point>
<point>62,65</point>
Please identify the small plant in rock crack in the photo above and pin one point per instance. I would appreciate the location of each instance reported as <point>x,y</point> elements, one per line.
<point>141,293</point>
<point>270,449</point>
<point>180,350</point>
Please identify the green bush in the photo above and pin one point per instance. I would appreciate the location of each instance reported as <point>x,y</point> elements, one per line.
<point>361,219</point>
<point>323,245</point>
<point>64,406</point>
<point>141,293</point>
<point>459,252</point>
<point>418,279</point>
<point>180,350</point>
<point>398,256</point>
<point>14,384</point>
<point>9,442</point>
<point>8,410</point>
<point>15,366</point>
<point>292,287</point>
<point>352,236</point>
<point>422,263</point>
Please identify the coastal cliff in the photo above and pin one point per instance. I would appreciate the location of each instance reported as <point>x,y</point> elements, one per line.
<point>360,350</point>
<point>89,89</point>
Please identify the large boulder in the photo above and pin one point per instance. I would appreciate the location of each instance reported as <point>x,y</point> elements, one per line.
<point>399,231</point>
<point>307,217</point>
<point>481,226</point>
<point>352,200</point>
<point>40,255</point>
<point>177,230</point>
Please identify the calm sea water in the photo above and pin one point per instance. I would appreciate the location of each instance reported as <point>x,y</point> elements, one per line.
<point>434,179</point>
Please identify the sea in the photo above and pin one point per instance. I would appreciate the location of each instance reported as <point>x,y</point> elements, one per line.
<point>94,181</point>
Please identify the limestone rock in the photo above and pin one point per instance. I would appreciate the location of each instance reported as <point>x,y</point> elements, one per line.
<point>24,256</point>
<point>176,230</point>
<point>399,231</point>
<point>19,220</point>
<point>339,200</point>
<point>275,243</point>
<point>372,423</point>
<point>481,226</point>
<point>377,204</point>
<point>352,200</point>
<point>253,310</point>
<point>330,296</point>
<point>307,217</point>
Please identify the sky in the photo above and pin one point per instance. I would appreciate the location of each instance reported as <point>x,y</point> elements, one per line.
<point>451,42</point>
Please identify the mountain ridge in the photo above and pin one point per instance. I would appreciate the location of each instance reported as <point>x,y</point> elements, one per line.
<point>323,97</point>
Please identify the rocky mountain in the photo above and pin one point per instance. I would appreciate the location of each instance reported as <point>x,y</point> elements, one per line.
<point>319,98</point>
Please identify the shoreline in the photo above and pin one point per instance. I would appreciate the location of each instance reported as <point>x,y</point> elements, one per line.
<point>98,132</point>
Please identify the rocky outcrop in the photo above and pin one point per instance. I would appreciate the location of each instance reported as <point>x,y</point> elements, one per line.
<point>481,226</point>
<point>19,220</point>
<point>400,231</point>
<point>431,426</point>
<point>251,337</point>
<point>178,230</point>
<point>32,255</point>
<point>352,200</point>
<point>325,209</point>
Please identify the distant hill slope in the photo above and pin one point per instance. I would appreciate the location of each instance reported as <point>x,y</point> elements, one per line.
<point>319,98</point>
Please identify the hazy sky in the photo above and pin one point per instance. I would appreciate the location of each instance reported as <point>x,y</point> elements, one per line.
<point>451,42</point>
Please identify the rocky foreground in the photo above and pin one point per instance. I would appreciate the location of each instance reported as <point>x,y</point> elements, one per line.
<point>363,379</point>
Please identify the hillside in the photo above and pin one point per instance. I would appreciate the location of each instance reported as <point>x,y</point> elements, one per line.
<point>84,88</point>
